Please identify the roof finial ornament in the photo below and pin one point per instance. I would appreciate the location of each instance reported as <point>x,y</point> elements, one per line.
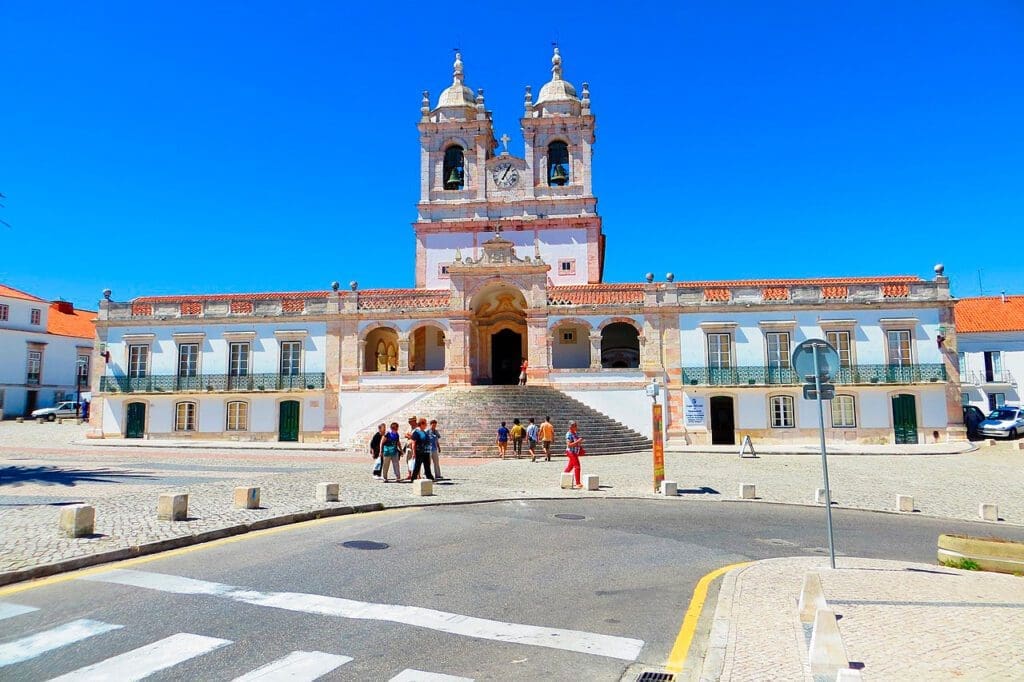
<point>556,64</point>
<point>457,76</point>
<point>528,100</point>
<point>425,104</point>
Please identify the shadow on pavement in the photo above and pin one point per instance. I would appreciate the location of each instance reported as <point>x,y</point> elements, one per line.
<point>49,475</point>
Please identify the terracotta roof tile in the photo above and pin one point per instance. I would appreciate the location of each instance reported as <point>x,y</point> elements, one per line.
<point>76,322</point>
<point>990,314</point>
<point>11,292</point>
<point>596,294</point>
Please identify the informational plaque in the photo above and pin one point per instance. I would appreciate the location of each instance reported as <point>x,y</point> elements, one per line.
<point>693,411</point>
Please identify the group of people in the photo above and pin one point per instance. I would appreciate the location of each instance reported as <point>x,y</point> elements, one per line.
<point>544,434</point>
<point>420,445</point>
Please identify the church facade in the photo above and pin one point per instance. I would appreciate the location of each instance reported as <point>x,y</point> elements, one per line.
<point>510,255</point>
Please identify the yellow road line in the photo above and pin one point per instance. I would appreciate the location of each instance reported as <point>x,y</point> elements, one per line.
<point>127,563</point>
<point>677,657</point>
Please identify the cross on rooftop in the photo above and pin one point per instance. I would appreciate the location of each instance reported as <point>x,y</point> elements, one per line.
<point>504,141</point>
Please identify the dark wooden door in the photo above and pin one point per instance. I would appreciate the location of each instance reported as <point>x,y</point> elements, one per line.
<point>506,357</point>
<point>288,424</point>
<point>136,426</point>
<point>904,419</point>
<point>723,423</point>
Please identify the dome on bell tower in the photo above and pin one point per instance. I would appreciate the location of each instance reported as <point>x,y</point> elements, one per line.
<point>557,89</point>
<point>458,94</point>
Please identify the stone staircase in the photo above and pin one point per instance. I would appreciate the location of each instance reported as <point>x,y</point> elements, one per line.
<point>468,418</point>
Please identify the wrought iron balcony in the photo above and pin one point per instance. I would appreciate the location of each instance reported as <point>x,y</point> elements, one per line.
<point>203,383</point>
<point>981,378</point>
<point>753,375</point>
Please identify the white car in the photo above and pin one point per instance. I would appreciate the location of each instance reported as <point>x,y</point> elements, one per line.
<point>1006,421</point>
<point>68,408</point>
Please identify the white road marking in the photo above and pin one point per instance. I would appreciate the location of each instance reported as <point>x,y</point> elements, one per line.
<point>622,648</point>
<point>410,675</point>
<point>29,647</point>
<point>140,663</point>
<point>12,610</point>
<point>301,666</point>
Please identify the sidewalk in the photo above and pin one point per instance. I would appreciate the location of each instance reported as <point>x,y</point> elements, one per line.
<point>899,621</point>
<point>951,448</point>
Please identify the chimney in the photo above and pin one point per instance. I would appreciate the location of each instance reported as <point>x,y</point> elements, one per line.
<point>65,307</point>
<point>1002,295</point>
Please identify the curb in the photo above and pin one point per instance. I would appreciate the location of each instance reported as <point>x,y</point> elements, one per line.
<point>45,570</point>
<point>713,660</point>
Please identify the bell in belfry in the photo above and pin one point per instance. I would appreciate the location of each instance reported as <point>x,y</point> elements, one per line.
<point>454,180</point>
<point>558,175</point>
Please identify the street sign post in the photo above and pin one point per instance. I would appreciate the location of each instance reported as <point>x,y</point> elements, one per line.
<point>653,390</point>
<point>818,362</point>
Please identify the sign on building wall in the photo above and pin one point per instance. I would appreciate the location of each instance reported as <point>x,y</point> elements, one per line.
<point>693,411</point>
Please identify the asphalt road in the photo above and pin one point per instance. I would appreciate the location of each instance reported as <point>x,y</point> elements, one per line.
<point>499,591</point>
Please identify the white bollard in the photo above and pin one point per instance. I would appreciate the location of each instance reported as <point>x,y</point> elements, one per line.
<point>812,598</point>
<point>748,491</point>
<point>848,675</point>
<point>905,503</point>
<point>591,482</point>
<point>669,489</point>
<point>988,512</point>
<point>77,520</point>
<point>247,497</point>
<point>422,487</point>
<point>566,481</point>
<point>819,495</point>
<point>826,653</point>
<point>172,507</point>
<point>327,492</point>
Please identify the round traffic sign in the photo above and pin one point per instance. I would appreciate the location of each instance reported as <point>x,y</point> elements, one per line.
<point>803,360</point>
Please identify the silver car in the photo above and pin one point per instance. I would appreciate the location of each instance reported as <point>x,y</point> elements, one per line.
<point>68,408</point>
<point>1005,422</point>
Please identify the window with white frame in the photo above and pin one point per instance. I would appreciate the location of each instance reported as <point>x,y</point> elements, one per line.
<point>238,359</point>
<point>841,342</point>
<point>782,412</point>
<point>719,351</point>
<point>138,361</point>
<point>36,316</point>
<point>34,368</point>
<point>82,370</point>
<point>238,416</point>
<point>291,357</point>
<point>5,311</point>
<point>567,266</point>
<point>185,417</point>
<point>188,359</point>
<point>899,347</point>
<point>777,345</point>
<point>844,412</point>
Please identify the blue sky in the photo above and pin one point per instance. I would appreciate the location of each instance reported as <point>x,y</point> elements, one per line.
<point>221,147</point>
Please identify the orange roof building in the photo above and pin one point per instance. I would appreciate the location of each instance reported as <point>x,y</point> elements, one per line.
<point>990,345</point>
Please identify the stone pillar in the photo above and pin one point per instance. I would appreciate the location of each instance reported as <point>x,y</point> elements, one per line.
<point>595,350</point>
<point>650,346</point>
<point>332,379</point>
<point>403,353</point>
<point>456,359</point>
<point>537,345</point>
<point>955,429</point>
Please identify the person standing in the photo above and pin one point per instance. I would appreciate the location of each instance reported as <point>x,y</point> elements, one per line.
<point>375,449</point>
<point>518,434</point>
<point>573,450</point>
<point>546,432</point>
<point>522,372</point>
<point>409,447</point>
<point>435,449</point>
<point>531,439</point>
<point>421,446</point>
<point>502,440</point>
<point>391,452</point>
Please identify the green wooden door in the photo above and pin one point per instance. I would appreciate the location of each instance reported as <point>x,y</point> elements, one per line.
<point>288,425</point>
<point>904,419</point>
<point>136,426</point>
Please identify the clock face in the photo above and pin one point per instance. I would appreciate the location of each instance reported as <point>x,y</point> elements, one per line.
<point>504,175</point>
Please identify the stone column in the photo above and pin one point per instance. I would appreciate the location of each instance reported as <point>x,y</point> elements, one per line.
<point>403,353</point>
<point>537,345</point>
<point>456,360</point>
<point>595,350</point>
<point>332,379</point>
<point>955,429</point>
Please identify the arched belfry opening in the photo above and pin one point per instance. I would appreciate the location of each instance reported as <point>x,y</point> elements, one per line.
<point>498,343</point>
<point>454,171</point>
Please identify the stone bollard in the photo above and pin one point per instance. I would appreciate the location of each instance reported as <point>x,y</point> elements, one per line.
<point>327,492</point>
<point>669,489</point>
<point>77,520</point>
<point>40,420</point>
<point>826,653</point>
<point>422,487</point>
<point>848,675</point>
<point>591,482</point>
<point>905,503</point>
<point>988,442</point>
<point>988,512</point>
<point>172,507</point>
<point>748,491</point>
<point>20,420</point>
<point>812,598</point>
<point>1019,445</point>
<point>247,498</point>
<point>566,481</point>
<point>819,496</point>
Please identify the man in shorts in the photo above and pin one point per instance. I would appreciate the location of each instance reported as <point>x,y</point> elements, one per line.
<point>546,433</point>
<point>502,440</point>
<point>531,439</point>
<point>518,434</point>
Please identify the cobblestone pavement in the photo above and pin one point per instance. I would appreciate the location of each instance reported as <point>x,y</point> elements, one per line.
<point>900,621</point>
<point>43,468</point>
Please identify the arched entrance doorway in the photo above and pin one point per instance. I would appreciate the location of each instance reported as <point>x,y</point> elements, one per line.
<point>506,357</point>
<point>498,341</point>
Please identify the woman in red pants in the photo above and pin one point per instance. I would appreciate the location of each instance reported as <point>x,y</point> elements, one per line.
<point>573,450</point>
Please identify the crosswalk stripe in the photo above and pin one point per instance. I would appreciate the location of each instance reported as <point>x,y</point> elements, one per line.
<point>12,610</point>
<point>29,647</point>
<point>144,661</point>
<point>300,666</point>
<point>622,648</point>
<point>410,675</point>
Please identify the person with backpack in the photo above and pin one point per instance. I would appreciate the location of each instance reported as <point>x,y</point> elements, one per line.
<point>421,447</point>
<point>375,449</point>
<point>502,440</point>
<point>518,434</point>
<point>391,452</point>
<point>531,439</point>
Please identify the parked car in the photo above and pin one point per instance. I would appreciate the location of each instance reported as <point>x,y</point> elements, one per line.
<point>1006,421</point>
<point>68,408</point>
<point>972,417</point>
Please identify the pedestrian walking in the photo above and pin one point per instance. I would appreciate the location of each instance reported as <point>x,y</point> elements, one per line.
<point>518,434</point>
<point>546,432</point>
<point>573,450</point>
<point>502,440</point>
<point>421,445</point>
<point>522,372</point>
<point>531,439</point>
<point>391,453</point>
<point>435,449</point>
<point>409,447</point>
<point>375,448</point>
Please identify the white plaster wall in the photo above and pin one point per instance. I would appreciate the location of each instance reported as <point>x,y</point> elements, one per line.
<point>1011,347</point>
<point>570,355</point>
<point>608,376</point>
<point>751,410</point>
<point>630,407</point>
<point>60,358</point>
<point>211,415</point>
<point>440,250</point>
<point>20,314</point>
<point>365,409</point>
<point>263,415</point>
<point>874,409</point>
<point>933,409</point>
<point>113,413</point>
<point>160,417</point>
<point>312,414</point>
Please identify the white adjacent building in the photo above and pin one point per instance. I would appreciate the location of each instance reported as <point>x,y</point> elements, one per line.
<point>990,345</point>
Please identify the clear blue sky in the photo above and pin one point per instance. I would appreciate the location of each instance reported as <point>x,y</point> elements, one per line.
<point>222,147</point>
